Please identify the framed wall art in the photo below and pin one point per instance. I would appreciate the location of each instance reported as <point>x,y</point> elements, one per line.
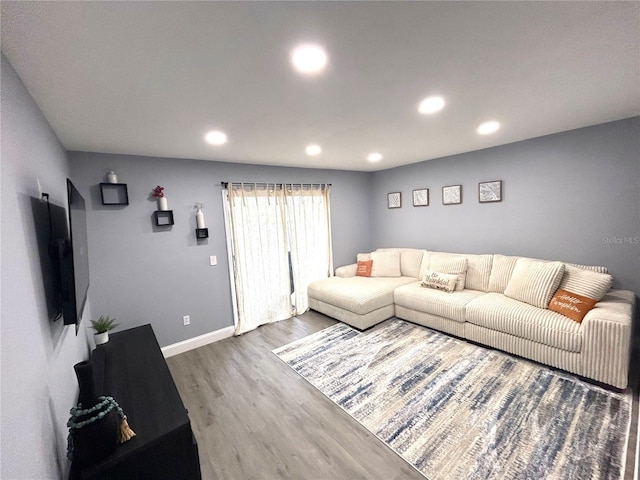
<point>490,191</point>
<point>421,197</point>
<point>452,195</point>
<point>394,200</point>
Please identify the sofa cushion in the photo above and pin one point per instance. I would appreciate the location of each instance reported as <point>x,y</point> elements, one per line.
<point>410,260</point>
<point>503,266</point>
<point>591,268</point>
<point>503,314</point>
<point>435,302</point>
<point>425,264</point>
<point>571,305</point>
<point>478,272</point>
<point>451,264</point>
<point>585,282</point>
<point>347,270</point>
<point>440,281</point>
<point>501,271</point>
<point>386,264</point>
<point>364,268</point>
<point>534,282</point>
<point>359,295</point>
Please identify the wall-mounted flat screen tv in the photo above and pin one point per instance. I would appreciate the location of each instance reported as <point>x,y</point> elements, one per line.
<point>52,234</point>
<point>62,244</point>
<point>75,260</point>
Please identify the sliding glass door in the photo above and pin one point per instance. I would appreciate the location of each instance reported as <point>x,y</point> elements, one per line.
<point>280,239</point>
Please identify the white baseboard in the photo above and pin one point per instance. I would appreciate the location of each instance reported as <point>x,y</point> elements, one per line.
<point>195,342</point>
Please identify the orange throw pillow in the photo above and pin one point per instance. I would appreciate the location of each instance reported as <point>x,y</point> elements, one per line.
<point>571,305</point>
<point>364,268</point>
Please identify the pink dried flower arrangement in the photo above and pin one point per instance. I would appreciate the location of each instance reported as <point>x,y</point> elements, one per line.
<point>158,192</point>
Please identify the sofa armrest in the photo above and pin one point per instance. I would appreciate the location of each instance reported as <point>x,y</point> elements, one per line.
<point>607,338</point>
<point>347,270</point>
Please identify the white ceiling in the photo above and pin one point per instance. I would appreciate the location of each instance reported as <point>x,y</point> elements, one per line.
<point>151,78</point>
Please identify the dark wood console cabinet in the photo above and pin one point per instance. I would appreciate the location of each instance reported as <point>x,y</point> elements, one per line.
<point>132,369</point>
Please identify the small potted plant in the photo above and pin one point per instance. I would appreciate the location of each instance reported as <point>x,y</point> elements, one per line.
<point>102,327</point>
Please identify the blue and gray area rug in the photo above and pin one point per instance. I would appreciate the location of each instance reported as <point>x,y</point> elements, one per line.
<point>456,411</point>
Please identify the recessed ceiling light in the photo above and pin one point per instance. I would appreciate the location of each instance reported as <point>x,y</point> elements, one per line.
<point>488,128</point>
<point>313,150</point>
<point>431,105</point>
<point>309,59</point>
<point>215,137</point>
<point>374,157</point>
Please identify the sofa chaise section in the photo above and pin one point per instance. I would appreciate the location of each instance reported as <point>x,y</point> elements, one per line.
<point>358,301</point>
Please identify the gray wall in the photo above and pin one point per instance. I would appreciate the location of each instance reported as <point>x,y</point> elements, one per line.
<point>143,274</point>
<point>572,196</point>
<point>38,383</point>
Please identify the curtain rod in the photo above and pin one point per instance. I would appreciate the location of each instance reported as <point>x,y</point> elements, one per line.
<point>267,184</point>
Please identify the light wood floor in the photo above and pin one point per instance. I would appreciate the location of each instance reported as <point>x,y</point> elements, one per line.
<point>255,418</point>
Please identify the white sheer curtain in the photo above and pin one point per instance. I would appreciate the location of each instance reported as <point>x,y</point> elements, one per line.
<point>260,255</point>
<point>281,241</point>
<point>309,235</point>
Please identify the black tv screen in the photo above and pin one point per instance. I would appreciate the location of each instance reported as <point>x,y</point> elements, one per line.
<point>75,260</point>
<point>52,234</point>
<point>62,244</point>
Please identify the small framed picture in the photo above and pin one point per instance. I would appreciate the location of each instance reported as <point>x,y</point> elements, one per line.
<point>421,197</point>
<point>452,195</point>
<point>490,191</point>
<point>394,200</point>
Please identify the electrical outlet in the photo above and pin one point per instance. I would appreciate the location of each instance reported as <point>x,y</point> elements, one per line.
<point>213,260</point>
<point>186,320</point>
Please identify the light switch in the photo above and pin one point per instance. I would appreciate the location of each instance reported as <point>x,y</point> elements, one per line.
<point>213,260</point>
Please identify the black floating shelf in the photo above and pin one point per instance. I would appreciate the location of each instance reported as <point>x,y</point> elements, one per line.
<point>114,194</point>
<point>202,233</point>
<point>164,218</point>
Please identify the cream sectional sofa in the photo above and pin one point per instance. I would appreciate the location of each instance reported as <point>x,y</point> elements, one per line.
<point>517,322</point>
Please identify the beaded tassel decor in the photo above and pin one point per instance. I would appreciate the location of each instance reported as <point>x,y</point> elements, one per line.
<point>97,412</point>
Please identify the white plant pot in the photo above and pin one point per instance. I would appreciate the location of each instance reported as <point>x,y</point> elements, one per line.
<point>162,204</point>
<point>101,338</point>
